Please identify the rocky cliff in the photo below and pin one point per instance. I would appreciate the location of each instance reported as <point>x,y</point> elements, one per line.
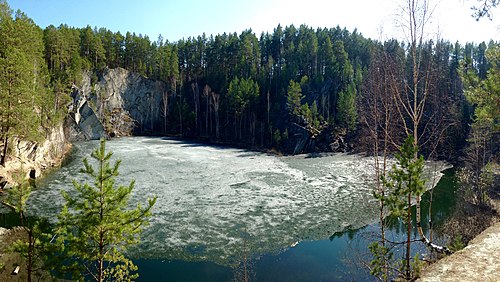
<point>35,157</point>
<point>117,103</point>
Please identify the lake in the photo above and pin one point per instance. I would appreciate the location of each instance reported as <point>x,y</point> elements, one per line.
<point>292,218</point>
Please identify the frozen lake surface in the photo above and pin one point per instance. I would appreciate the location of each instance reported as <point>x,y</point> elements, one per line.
<point>216,203</point>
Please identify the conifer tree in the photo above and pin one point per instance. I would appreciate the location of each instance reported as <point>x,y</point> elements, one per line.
<point>404,184</point>
<point>294,97</point>
<point>34,249</point>
<point>23,93</point>
<point>96,225</point>
<point>346,108</point>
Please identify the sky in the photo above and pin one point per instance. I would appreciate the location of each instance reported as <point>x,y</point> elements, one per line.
<point>177,19</point>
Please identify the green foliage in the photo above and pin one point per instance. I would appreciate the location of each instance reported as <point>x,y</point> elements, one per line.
<point>380,264</point>
<point>416,266</point>
<point>91,48</point>
<point>294,98</point>
<point>19,194</point>
<point>242,93</point>
<point>485,93</point>
<point>23,77</point>
<point>277,137</point>
<point>313,57</point>
<point>96,225</point>
<point>405,178</point>
<point>285,134</point>
<point>403,182</point>
<point>477,184</point>
<point>456,244</point>
<point>346,108</point>
<point>307,113</point>
<point>325,65</point>
<point>36,250</point>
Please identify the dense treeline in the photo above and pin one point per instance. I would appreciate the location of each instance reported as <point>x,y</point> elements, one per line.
<point>239,88</point>
<point>209,77</point>
<point>446,113</point>
<point>286,87</point>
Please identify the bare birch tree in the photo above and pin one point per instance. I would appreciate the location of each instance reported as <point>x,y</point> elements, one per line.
<point>165,111</point>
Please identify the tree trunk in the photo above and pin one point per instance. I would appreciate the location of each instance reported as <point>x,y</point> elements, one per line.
<point>268,118</point>
<point>4,150</point>
<point>101,268</point>
<point>206,115</point>
<point>165,111</point>
<point>217,124</point>
<point>101,218</point>
<point>408,240</point>
<point>180,115</point>
<point>31,249</point>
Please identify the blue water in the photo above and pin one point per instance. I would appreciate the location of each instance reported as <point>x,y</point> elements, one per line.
<point>342,257</point>
<point>218,207</point>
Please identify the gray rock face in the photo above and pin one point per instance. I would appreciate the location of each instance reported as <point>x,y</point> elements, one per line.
<point>35,157</point>
<point>118,104</point>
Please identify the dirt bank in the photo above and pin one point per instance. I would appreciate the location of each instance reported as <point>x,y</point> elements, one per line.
<point>479,261</point>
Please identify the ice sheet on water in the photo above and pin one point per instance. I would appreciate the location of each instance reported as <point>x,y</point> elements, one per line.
<point>218,203</point>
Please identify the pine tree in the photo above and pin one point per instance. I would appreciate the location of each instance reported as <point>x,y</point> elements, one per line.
<point>481,152</point>
<point>346,108</point>
<point>404,183</point>
<point>23,95</point>
<point>294,97</point>
<point>96,227</point>
<point>35,247</point>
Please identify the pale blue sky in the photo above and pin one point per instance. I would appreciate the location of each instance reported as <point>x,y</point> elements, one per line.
<point>176,19</point>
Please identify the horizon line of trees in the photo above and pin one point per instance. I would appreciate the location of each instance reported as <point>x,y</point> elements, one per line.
<point>268,91</point>
<point>204,76</point>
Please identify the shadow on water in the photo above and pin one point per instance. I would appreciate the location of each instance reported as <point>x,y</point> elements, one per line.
<point>317,155</point>
<point>187,143</point>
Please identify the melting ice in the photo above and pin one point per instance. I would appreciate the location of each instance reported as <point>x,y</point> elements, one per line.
<point>220,203</point>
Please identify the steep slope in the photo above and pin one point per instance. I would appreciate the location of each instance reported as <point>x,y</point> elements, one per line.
<point>479,261</point>
<point>119,103</point>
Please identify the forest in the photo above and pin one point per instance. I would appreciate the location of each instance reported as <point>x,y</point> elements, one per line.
<point>295,90</point>
<point>267,91</point>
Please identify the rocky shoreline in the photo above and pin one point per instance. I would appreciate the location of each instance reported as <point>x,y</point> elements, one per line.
<point>36,158</point>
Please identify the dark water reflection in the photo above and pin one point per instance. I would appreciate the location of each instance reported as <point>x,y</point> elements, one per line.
<point>342,257</point>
